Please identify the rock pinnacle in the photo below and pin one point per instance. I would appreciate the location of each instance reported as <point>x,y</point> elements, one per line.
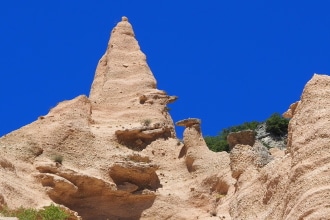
<point>124,84</point>
<point>123,70</point>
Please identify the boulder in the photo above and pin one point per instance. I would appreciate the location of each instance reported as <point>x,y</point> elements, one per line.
<point>139,138</point>
<point>84,193</point>
<point>246,137</point>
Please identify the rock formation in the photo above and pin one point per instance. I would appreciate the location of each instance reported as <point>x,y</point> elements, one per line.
<point>246,137</point>
<point>95,136</point>
<point>294,185</point>
<point>125,87</point>
<point>292,109</point>
<point>112,154</point>
<point>115,155</point>
<point>268,139</point>
<point>308,146</point>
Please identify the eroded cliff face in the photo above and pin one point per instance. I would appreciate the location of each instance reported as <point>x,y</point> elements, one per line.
<point>121,157</point>
<point>122,160</point>
<point>295,185</point>
<point>308,146</point>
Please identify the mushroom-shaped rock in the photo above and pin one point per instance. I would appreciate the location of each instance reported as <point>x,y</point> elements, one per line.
<point>193,141</point>
<point>189,122</point>
<point>192,135</point>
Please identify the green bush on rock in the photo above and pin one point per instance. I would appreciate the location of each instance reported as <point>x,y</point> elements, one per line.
<point>219,143</point>
<point>51,212</point>
<point>277,125</point>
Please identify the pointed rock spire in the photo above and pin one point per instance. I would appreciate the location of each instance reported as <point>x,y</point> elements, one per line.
<point>125,87</point>
<point>123,69</point>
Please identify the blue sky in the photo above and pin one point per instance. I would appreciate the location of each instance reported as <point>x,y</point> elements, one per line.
<point>228,61</point>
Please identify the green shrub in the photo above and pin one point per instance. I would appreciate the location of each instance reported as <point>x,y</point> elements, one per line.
<point>20,213</point>
<point>27,214</point>
<point>277,125</point>
<point>146,122</point>
<point>219,143</point>
<point>216,144</point>
<point>58,159</point>
<point>5,211</point>
<point>53,212</point>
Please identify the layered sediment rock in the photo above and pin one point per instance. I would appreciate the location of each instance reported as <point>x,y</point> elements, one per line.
<point>124,84</point>
<point>296,185</point>
<point>89,136</point>
<point>308,145</point>
<point>115,155</point>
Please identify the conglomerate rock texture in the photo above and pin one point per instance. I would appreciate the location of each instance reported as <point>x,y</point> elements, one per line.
<point>308,145</point>
<point>295,185</point>
<point>114,155</point>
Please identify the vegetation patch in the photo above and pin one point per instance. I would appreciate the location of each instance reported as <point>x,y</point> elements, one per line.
<point>58,159</point>
<point>146,122</point>
<point>51,212</point>
<point>219,143</point>
<point>276,125</point>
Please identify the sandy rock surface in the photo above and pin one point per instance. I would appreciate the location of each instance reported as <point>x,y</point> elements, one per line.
<point>115,154</point>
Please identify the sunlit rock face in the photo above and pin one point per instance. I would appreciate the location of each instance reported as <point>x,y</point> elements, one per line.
<point>115,155</point>
<point>124,84</point>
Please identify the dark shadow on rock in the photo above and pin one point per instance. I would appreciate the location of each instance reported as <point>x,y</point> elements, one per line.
<point>94,198</point>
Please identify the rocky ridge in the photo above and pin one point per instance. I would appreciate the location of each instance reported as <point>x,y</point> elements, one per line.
<point>122,160</point>
<point>269,140</point>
